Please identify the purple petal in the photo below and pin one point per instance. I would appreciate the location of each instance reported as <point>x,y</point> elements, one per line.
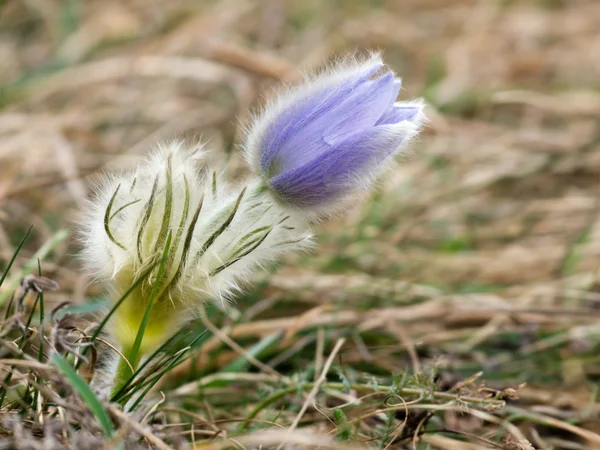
<point>398,114</point>
<point>333,174</point>
<point>394,96</point>
<point>359,111</point>
<point>305,110</point>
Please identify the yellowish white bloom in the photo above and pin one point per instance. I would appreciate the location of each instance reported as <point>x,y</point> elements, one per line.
<point>217,235</point>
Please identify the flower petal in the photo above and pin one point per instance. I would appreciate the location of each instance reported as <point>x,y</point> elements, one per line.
<point>297,113</point>
<point>396,91</point>
<point>400,112</point>
<point>359,111</point>
<point>333,174</point>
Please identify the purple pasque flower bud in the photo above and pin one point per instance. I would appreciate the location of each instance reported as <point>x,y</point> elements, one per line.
<point>333,136</point>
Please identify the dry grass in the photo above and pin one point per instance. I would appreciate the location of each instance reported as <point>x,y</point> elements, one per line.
<point>481,253</point>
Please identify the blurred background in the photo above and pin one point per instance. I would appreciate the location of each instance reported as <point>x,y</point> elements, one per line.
<point>481,252</point>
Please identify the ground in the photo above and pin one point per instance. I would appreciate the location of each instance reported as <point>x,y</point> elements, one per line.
<point>455,308</point>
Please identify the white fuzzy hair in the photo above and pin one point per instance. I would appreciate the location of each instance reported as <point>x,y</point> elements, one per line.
<point>333,76</point>
<point>219,234</point>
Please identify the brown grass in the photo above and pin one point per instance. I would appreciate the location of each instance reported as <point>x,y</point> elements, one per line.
<point>481,252</point>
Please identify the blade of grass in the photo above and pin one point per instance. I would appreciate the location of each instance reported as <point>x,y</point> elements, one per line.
<point>14,256</point>
<point>42,317</point>
<point>135,349</point>
<point>44,250</point>
<point>182,356</point>
<point>240,364</point>
<point>108,315</point>
<point>137,379</point>
<point>41,339</point>
<point>126,369</point>
<point>168,345</point>
<point>166,365</point>
<point>86,393</point>
<point>21,345</point>
<point>150,382</point>
<point>28,322</point>
<point>9,307</point>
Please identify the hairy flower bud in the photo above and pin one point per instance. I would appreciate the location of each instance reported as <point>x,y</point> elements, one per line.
<point>330,137</point>
<point>216,235</point>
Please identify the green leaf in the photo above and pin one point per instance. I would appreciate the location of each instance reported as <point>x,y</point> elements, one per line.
<point>79,384</point>
<point>14,281</point>
<point>107,217</point>
<point>210,241</point>
<point>145,218</point>
<point>165,348</point>
<point>177,359</point>
<point>240,364</point>
<point>14,256</point>
<point>105,319</point>
<point>93,305</point>
<point>134,353</point>
<point>344,428</point>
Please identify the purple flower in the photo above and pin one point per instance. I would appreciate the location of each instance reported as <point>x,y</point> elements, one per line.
<point>333,136</point>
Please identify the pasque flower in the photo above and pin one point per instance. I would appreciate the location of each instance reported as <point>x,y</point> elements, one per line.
<point>215,235</point>
<point>332,136</point>
<point>173,234</point>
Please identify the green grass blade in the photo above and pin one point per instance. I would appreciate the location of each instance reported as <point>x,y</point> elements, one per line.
<point>168,345</point>
<point>36,392</point>
<point>42,317</point>
<point>149,384</point>
<point>9,307</point>
<point>108,315</point>
<point>14,256</point>
<point>178,359</point>
<point>86,393</point>
<point>134,353</point>
<point>44,250</point>
<point>93,306</point>
<point>28,323</point>
<point>240,364</point>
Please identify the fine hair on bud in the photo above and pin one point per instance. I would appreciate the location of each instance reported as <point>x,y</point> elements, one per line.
<point>217,235</point>
<point>333,136</point>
